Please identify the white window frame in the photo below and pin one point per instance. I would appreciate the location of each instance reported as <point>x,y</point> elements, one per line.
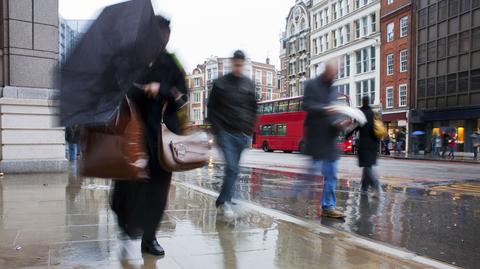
<point>403,60</point>
<point>258,78</point>
<point>356,23</point>
<point>269,78</point>
<point>321,18</point>
<point>389,97</point>
<point>197,115</point>
<point>197,97</point>
<point>196,82</point>
<point>334,11</point>
<point>404,26</point>
<point>390,64</point>
<point>389,2</point>
<point>373,23</point>
<point>365,26</point>
<point>403,95</point>
<point>390,32</point>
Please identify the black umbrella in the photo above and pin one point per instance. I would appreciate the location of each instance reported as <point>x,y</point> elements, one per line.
<point>112,55</point>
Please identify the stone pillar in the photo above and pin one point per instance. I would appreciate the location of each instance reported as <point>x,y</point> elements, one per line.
<point>29,136</point>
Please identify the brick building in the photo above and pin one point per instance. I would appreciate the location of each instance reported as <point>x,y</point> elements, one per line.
<point>447,99</point>
<point>397,67</point>
<point>196,95</point>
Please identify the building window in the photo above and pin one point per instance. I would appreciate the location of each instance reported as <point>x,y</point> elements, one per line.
<point>402,95</point>
<point>390,64</point>
<point>389,2</point>
<point>344,66</point>
<point>315,21</point>
<point>365,26</point>
<point>326,15</point>
<point>196,115</point>
<point>269,94</point>
<point>441,85</point>
<point>334,38</point>
<point>197,82</point>
<point>258,76</point>
<point>452,45</point>
<point>476,38</point>
<point>343,89</point>
<point>475,80</point>
<point>453,7</point>
<point>452,83</point>
<point>442,48</point>
<point>442,10</point>
<point>269,78</point>
<point>365,59</point>
<point>403,60</point>
<point>320,15</point>
<point>321,43</point>
<point>334,11</point>
<point>347,32</point>
<point>431,87</point>
<point>196,97</point>
<point>389,95</point>
<point>325,37</point>
<point>357,29</point>
<point>432,14</point>
<point>422,18</point>
<point>342,35</point>
<point>315,47</point>
<point>465,41</point>
<point>365,88</point>
<point>403,26</point>
<point>373,22</point>
<point>390,33</point>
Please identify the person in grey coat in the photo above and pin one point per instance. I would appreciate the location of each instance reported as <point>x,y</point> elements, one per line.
<point>322,127</point>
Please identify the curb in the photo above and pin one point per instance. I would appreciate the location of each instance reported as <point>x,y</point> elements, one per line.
<point>355,240</point>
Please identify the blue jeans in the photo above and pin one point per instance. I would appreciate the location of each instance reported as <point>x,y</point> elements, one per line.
<point>328,168</point>
<point>232,146</point>
<point>72,151</point>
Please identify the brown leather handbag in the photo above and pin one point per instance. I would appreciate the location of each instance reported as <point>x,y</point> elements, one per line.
<point>182,152</point>
<point>116,150</point>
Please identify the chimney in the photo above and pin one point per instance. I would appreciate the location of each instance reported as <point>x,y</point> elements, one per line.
<point>268,60</point>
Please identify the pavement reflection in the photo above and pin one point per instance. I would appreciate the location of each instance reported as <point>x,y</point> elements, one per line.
<point>441,224</point>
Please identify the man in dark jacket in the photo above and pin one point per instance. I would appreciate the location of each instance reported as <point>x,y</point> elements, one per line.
<point>232,109</point>
<point>321,131</point>
<point>367,148</point>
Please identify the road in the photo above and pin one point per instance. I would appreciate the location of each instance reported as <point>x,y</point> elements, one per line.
<point>430,208</point>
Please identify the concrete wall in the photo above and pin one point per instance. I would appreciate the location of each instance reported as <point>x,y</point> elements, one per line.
<point>30,138</point>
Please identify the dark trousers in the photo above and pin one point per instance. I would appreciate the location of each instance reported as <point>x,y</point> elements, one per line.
<point>139,206</point>
<point>232,146</point>
<point>369,179</point>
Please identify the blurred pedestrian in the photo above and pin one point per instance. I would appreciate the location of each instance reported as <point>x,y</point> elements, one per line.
<point>232,109</point>
<point>445,141</point>
<point>367,149</point>
<point>476,143</point>
<point>400,140</point>
<point>139,205</point>
<point>321,131</point>
<point>72,136</point>
<point>452,146</point>
<point>386,145</point>
<point>436,145</point>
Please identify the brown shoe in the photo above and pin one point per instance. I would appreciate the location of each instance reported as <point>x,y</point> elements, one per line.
<point>333,213</point>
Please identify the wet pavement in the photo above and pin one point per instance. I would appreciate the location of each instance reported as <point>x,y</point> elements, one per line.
<point>436,220</point>
<point>61,221</point>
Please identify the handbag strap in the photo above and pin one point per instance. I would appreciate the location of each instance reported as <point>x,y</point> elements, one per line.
<point>164,108</point>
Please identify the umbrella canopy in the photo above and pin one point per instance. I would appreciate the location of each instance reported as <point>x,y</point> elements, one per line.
<point>416,133</point>
<point>112,55</point>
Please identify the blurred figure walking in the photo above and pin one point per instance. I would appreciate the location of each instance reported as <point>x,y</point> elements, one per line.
<point>476,143</point>
<point>321,133</point>
<point>452,146</point>
<point>232,109</point>
<point>367,149</point>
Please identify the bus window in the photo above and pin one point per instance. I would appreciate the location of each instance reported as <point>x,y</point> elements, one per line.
<point>281,129</point>
<point>293,105</point>
<point>267,109</point>
<point>260,108</point>
<point>300,105</point>
<point>266,130</point>
<point>283,106</point>
<point>275,107</point>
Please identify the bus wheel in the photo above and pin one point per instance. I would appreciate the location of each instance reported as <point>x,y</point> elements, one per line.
<point>302,147</point>
<point>265,147</point>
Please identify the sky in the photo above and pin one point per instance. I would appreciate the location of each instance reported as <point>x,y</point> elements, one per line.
<point>202,28</point>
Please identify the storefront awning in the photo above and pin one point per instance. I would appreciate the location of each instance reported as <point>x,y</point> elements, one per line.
<point>394,116</point>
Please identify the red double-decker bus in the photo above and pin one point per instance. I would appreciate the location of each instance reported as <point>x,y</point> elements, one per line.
<point>280,126</point>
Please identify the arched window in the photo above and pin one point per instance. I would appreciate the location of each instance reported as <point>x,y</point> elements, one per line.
<point>292,29</point>
<point>303,24</point>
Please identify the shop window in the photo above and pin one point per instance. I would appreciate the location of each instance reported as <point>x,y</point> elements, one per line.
<point>460,135</point>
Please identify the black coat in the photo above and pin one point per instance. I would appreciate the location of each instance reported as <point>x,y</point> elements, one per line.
<point>169,74</point>
<point>320,132</point>
<point>232,105</point>
<point>368,142</point>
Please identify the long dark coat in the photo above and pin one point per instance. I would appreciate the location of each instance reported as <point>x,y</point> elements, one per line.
<point>368,142</point>
<point>320,132</point>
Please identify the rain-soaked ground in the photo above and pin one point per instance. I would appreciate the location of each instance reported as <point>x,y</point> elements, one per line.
<point>57,221</point>
<point>440,221</point>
